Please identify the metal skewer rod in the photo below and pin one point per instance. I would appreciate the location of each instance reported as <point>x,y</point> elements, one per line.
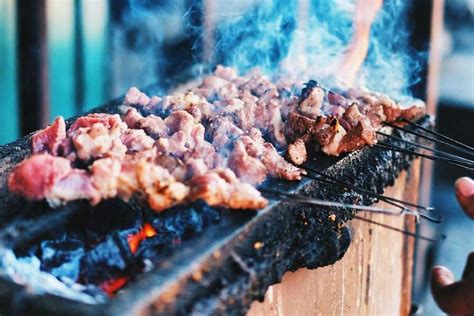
<point>457,147</point>
<point>361,190</point>
<point>449,139</point>
<point>415,153</point>
<point>442,238</point>
<point>307,199</point>
<point>461,159</point>
<point>380,197</point>
<point>404,209</point>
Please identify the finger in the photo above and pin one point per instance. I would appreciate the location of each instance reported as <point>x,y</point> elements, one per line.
<point>465,194</point>
<point>469,269</point>
<point>452,297</point>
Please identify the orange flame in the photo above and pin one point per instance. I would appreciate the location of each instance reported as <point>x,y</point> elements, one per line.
<point>112,286</point>
<point>134,240</point>
<point>366,11</point>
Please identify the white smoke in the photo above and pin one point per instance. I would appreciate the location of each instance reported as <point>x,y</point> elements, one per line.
<point>307,39</point>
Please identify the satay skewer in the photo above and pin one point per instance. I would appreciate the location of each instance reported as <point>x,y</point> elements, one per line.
<point>454,162</point>
<point>454,145</point>
<point>387,199</point>
<point>441,152</point>
<point>294,197</point>
<point>405,232</point>
<point>437,134</point>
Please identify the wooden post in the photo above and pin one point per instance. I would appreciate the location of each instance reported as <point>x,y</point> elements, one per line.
<point>32,59</point>
<point>79,84</point>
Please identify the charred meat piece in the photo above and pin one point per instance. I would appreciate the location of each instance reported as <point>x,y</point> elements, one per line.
<point>161,189</point>
<point>330,136</point>
<point>256,82</point>
<point>297,152</point>
<point>299,126</point>
<point>216,88</point>
<point>356,138</point>
<point>278,166</point>
<point>311,100</point>
<point>337,99</point>
<point>392,111</point>
<point>226,73</point>
<point>77,185</point>
<point>414,111</point>
<point>110,121</point>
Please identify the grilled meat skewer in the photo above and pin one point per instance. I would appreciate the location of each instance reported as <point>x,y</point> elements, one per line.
<point>216,142</point>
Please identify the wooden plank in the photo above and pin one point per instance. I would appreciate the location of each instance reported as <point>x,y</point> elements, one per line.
<point>411,194</point>
<point>373,278</point>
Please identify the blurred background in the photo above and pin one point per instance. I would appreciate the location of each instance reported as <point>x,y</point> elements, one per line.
<point>90,51</point>
<point>455,117</point>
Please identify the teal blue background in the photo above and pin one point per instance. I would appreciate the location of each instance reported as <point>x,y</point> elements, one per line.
<point>61,60</point>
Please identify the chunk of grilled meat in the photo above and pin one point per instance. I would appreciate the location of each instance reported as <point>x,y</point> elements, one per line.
<point>207,143</point>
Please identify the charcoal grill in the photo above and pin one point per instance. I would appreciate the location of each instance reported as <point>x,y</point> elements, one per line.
<point>221,269</point>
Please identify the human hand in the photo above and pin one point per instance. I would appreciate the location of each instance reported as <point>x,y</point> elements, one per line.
<point>465,195</point>
<point>457,297</point>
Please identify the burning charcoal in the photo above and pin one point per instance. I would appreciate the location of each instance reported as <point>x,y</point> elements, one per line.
<point>179,223</point>
<point>155,248</point>
<point>62,257</point>
<point>174,226</point>
<point>107,260</point>
<point>209,214</point>
<point>114,215</point>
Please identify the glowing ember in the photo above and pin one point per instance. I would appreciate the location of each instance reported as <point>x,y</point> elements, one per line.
<point>144,233</point>
<point>366,11</point>
<point>112,286</point>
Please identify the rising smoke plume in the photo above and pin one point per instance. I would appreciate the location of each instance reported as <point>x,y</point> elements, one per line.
<point>307,39</point>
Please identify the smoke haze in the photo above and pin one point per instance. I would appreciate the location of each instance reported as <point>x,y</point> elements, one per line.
<point>303,39</point>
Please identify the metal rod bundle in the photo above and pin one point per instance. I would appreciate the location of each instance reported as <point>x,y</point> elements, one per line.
<point>293,197</point>
<point>431,136</point>
<point>335,181</point>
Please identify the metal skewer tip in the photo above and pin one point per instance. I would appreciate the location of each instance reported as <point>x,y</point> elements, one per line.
<point>454,144</point>
<point>307,199</point>
<point>433,240</point>
<point>449,161</point>
<point>435,133</point>
<point>417,145</point>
